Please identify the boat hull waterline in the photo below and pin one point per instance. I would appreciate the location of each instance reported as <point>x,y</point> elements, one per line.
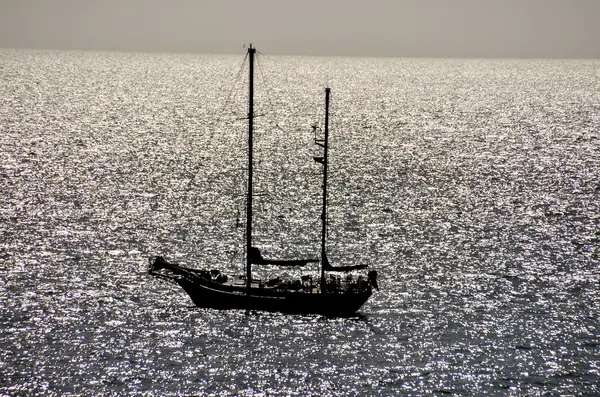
<point>209,293</point>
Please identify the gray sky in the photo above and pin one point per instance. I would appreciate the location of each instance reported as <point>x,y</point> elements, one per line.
<point>429,28</point>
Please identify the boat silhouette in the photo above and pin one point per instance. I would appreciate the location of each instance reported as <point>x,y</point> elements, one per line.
<point>330,296</point>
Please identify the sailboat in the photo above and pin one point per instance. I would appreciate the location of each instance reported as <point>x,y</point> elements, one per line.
<point>332,296</point>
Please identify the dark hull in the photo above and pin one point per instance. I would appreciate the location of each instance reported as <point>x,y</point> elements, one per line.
<point>205,293</point>
<point>209,289</point>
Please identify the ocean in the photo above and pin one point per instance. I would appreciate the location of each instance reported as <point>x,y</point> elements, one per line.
<point>471,185</point>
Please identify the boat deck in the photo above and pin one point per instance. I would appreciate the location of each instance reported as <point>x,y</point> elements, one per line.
<point>307,286</point>
<point>240,283</point>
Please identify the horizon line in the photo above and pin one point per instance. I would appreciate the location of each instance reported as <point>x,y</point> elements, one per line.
<point>312,55</point>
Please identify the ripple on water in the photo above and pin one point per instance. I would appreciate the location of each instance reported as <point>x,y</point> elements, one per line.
<point>470,185</point>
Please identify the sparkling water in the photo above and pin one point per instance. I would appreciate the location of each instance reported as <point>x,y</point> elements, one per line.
<point>471,186</point>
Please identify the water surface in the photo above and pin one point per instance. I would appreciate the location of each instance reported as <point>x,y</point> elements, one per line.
<point>471,186</point>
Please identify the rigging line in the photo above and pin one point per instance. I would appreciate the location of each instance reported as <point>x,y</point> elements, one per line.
<point>231,90</point>
<point>230,96</point>
<point>187,159</point>
<point>228,99</point>
<point>259,135</point>
<point>264,80</point>
<point>269,91</point>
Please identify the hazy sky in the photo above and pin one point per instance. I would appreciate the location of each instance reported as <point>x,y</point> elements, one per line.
<point>438,28</point>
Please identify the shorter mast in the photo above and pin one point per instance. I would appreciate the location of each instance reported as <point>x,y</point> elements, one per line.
<point>324,143</point>
<point>324,213</point>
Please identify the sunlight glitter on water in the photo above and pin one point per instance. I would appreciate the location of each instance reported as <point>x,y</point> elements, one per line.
<point>470,185</point>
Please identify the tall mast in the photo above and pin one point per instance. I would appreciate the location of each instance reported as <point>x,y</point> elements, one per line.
<point>324,213</point>
<point>251,52</point>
